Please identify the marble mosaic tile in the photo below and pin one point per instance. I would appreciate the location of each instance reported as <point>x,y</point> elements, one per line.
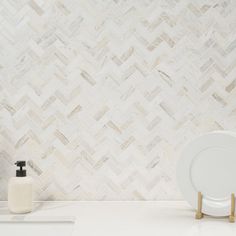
<point>101,96</point>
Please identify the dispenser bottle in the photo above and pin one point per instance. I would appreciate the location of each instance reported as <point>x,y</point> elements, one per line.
<point>20,191</point>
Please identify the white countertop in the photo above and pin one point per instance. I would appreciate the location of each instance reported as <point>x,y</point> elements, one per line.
<point>163,218</point>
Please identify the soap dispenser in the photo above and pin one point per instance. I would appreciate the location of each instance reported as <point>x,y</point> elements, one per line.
<point>20,191</point>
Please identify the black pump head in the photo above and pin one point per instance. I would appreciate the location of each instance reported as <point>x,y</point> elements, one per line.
<point>20,172</point>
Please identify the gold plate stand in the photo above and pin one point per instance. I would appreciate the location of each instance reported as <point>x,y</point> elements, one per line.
<point>232,211</point>
<point>199,214</point>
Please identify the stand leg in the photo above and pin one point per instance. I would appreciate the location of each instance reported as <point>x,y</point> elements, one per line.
<point>232,212</point>
<point>199,213</point>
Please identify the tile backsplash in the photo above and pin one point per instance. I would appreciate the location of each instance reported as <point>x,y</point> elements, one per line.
<point>100,96</point>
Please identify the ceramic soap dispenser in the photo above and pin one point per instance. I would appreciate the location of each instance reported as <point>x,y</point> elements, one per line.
<point>20,191</point>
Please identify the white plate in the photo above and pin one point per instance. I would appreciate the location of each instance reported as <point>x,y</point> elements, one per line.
<point>208,165</point>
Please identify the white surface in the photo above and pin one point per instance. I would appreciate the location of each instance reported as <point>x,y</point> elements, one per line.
<point>118,219</point>
<point>37,228</point>
<point>208,165</point>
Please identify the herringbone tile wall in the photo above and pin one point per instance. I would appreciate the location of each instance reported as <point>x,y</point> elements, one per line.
<point>100,96</point>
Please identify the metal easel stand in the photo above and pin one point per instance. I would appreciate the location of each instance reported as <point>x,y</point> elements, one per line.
<point>199,215</point>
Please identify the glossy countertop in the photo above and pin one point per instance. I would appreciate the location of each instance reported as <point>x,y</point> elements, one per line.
<point>106,218</point>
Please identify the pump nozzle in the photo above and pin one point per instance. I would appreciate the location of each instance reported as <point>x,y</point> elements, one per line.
<point>20,172</point>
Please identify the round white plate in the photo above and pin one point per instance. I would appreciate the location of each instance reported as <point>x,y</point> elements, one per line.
<point>208,165</point>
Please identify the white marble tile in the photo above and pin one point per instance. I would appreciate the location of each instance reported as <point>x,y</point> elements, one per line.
<point>100,96</point>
